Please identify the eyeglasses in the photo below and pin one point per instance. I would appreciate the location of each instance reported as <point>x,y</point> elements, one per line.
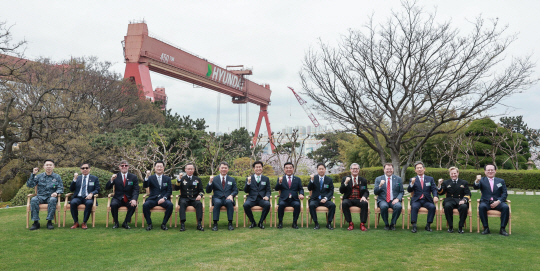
<point>124,165</point>
<point>84,167</point>
<point>355,169</point>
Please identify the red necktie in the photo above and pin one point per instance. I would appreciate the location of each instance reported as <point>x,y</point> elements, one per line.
<point>289,182</point>
<point>125,198</point>
<point>223,182</point>
<point>354,181</point>
<point>422,184</point>
<point>388,190</point>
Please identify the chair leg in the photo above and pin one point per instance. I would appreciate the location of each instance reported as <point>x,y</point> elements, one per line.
<point>107,220</point>
<point>477,223</point>
<point>136,216</point>
<point>510,224</point>
<point>368,219</point>
<point>64,218</point>
<point>341,219</point>
<point>377,218</point>
<point>93,219</point>
<point>176,219</point>
<point>403,221</point>
<point>244,219</point>
<point>27,218</point>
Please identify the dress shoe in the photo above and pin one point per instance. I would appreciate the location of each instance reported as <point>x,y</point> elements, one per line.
<point>261,225</point>
<point>280,225</point>
<point>428,228</point>
<point>387,228</point>
<point>182,227</point>
<point>450,230</point>
<point>76,225</point>
<point>50,225</point>
<point>84,226</point>
<point>294,226</point>
<point>125,225</point>
<point>460,231</point>
<point>215,227</point>
<point>149,227</point>
<point>35,226</point>
<point>392,227</point>
<point>362,227</point>
<point>316,226</point>
<point>231,227</point>
<point>351,226</point>
<point>503,232</point>
<point>164,227</point>
<point>200,227</point>
<point>329,226</point>
<point>253,225</point>
<point>414,230</point>
<point>486,231</point>
<point>116,226</point>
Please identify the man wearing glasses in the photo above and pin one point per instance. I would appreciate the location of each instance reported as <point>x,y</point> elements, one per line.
<point>126,193</point>
<point>355,193</point>
<point>493,198</point>
<point>84,188</point>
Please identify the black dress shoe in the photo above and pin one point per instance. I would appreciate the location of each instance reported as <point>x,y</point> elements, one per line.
<point>386,228</point>
<point>253,225</point>
<point>316,226</point>
<point>503,232</point>
<point>450,230</point>
<point>231,227</point>
<point>164,227</point>
<point>50,225</point>
<point>149,227</point>
<point>486,231</point>
<point>215,227</point>
<point>460,231</point>
<point>200,227</point>
<point>414,230</point>
<point>35,226</point>
<point>261,225</point>
<point>393,227</point>
<point>116,226</point>
<point>294,226</point>
<point>428,228</point>
<point>125,225</point>
<point>329,226</point>
<point>182,227</point>
<point>280,225</point>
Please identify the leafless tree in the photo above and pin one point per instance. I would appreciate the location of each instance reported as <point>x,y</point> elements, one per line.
<point>513,147</point>
<point>217,151</point>
<point>411,75</point>
<point>289,148</point>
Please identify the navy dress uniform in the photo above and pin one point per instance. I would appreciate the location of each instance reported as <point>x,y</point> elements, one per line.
<point>190,188</point>
<point>46,186</point>
<point>456,191</point>
<point>81,188</point>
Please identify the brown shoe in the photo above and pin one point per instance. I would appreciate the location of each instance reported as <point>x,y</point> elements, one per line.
<point>84,227</point>
<point>76,225</point>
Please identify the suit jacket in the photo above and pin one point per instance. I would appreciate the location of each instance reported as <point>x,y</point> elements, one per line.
<point>458,192</point>
<point>327,190</point>
<point>158,192</point>
<point>429,191</point>
<point>131,189</point>
<point>499,189</point>
<point>190,189</point>
<point>220,192</point>
<point>346,190</point>
<point>93,185</point>
<point>397,188</point>
<point>255,189</point>
<point>296,188</point>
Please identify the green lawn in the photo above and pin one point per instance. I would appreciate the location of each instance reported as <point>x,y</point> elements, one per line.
<point>103,248</point>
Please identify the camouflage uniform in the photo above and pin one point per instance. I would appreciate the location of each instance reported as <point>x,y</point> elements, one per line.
<point>46,186</point>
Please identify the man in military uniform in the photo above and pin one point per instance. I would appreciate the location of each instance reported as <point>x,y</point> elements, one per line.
<point>191,192</point>
<point>50,186</point>
<point>458,196</point>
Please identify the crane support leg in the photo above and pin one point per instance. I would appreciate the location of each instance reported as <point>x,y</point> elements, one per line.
<point>263,113</point>
<point>141,74</point>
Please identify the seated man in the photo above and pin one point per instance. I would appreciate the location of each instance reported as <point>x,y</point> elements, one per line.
<point>423,188</point>
<point>323,192</point>
<point>191,193</point>
<point>292,193</point>
<point>49,185</point>
<point>160,195</point>
<point>126,193</point>
<point>84,188</point>
<point>493,198</point>
<point>225,190</point>
<point>458,196</point>
<point>258,189</point>
<point>389,191</point>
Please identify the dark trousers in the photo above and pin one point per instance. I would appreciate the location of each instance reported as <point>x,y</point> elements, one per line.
<point>289,203</point>
<point>223,202</point>
<point>314,203</point>
<point>449,205</point>
<point>258,202</point>
<point>396,211</point>
<point>115,204</point>
<point>150,203</point>
<point>184,203</point>
<point>415,206</point>
<point>348,203</point>
<point>502,207</point>
<point>75,202</point>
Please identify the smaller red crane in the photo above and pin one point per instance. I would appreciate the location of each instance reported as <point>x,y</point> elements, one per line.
<point>303,103</point>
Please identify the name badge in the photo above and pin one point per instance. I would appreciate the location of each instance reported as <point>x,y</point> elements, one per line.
<point>462,186</point>
<point>195,183</point>
<point>499,185</point>
<point>428,184</point>
<point>230,183</point>
<point>91,183</point>
<point>325,186</point>
<point>164,184</point>
<point>130,183</point>
<point>362,187</point>
<point>263,183</point>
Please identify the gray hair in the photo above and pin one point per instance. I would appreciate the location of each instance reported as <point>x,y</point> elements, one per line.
<point>354,164</point>
<point>418,163</point>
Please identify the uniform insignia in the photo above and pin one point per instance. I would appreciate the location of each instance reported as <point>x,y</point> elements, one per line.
<point>449,186</point>
<point>53,180</point>
<point>185,182</point>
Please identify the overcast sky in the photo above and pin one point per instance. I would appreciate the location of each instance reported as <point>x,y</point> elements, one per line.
<point>269,36</point>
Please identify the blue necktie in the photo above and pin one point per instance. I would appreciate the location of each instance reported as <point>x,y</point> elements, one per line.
<point>321,181</point>
<point>83,193</point>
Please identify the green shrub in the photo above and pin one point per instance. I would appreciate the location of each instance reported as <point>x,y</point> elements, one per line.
<point>11,187</point>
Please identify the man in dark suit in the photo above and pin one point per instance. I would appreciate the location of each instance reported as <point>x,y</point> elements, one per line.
<point>389,191</point>
<point>493,198</point>
<point>126,193</point>
<point>425,195</point>
<point>259,192</point>
<point>292,193</point>
<point>84,188</point>
<point>160,194</point>
<point>225,190</point>
<point>458,196</point>
<point>322,188</point>
<point>191,193</point>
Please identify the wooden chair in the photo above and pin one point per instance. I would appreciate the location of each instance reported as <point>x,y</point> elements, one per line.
<point>121,209</point>
<point>156,209</point>
<point>421,211</point>
<point>494,213</point>
<point>455,213</point>
<point>319,209</point>
<point>67,206</point>
<point>223,208</point>
<point>258,209</point>
<point>188,209</point>
<point>42,207</point>
<point>390,211</point>
<point>288,209</point>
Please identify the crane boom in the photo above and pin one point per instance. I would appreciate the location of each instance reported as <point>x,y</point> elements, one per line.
<point>303,103</point>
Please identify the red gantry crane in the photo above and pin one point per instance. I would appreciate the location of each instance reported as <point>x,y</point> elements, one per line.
<point>303,103</point>
<point>144,53</point>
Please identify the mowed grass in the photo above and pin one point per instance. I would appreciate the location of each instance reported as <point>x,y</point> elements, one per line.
<point>102,248</point>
